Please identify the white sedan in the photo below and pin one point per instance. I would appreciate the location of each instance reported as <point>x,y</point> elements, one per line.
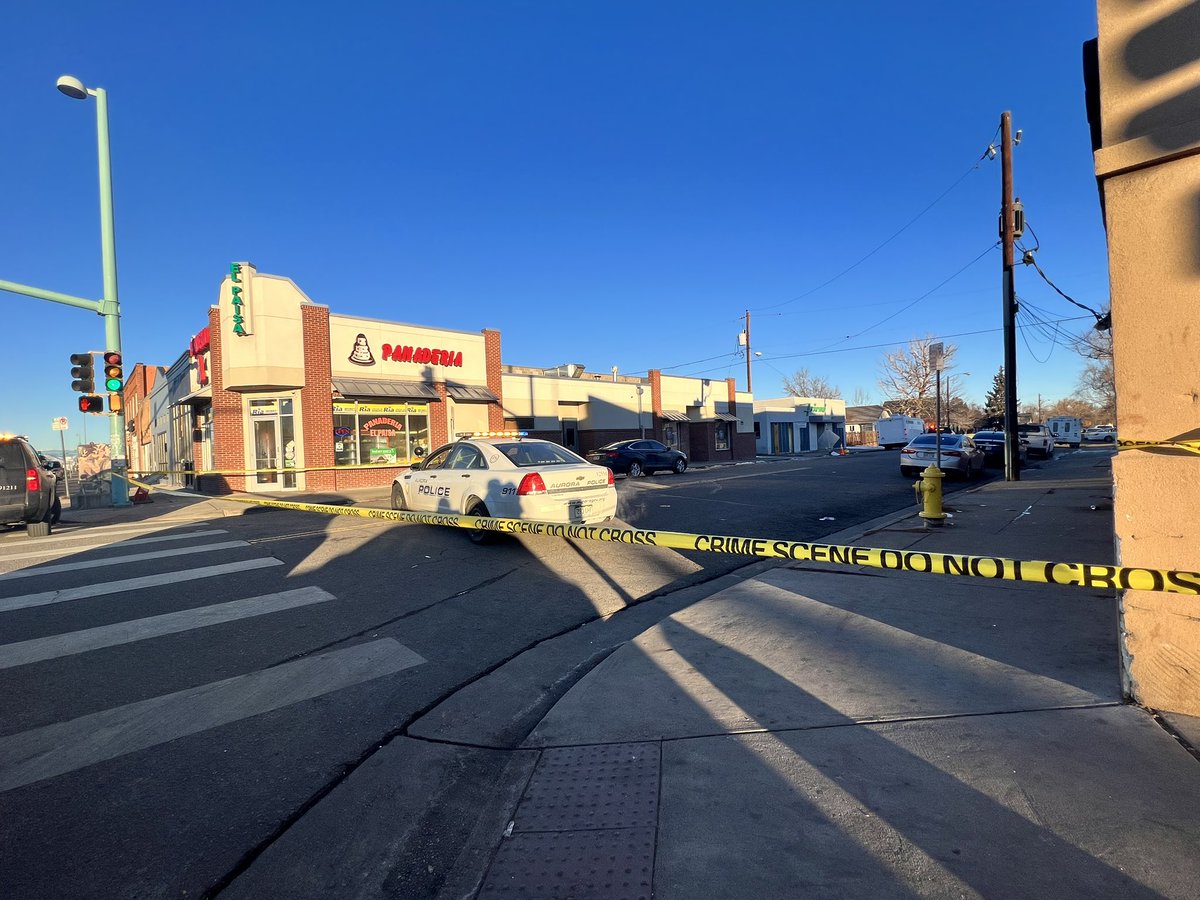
<point>508,476</point>
<point>1106,433</point>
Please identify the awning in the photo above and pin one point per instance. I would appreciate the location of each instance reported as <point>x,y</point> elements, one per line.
<point>463,392</point>
<point>725,417</point>
<point>203,395</point>
<point>674,416</point>
<point>402,390</point>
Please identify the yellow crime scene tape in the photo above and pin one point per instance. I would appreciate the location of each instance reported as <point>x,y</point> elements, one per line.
<point>1188,446</point>
<point>1084,575</point>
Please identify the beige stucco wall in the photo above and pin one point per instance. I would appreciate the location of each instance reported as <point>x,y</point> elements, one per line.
<point>345,330</point>
<point>271,354</point>
<point>596,404</point>
<point>1149,171</point>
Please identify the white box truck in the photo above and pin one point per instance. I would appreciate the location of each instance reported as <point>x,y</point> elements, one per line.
<point>896,431</point>
<point>1066,430</point>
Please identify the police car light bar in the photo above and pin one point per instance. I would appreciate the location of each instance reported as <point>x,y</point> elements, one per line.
<point>479,434</point>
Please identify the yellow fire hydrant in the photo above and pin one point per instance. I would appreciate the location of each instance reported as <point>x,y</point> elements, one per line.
<point>929,495</point>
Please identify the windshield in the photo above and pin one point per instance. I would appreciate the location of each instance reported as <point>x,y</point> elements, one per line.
<point>616,445</point>
<point>930,440</point>
<point>524,453</point>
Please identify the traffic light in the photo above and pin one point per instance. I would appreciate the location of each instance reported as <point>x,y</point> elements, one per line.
<point>82,370</point>
<point>114,403</point>
<point>114,375</point>
<point>91,404</point>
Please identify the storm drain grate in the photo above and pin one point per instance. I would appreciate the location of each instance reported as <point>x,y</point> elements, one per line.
<point>603,786</point>
<point>617,864</point>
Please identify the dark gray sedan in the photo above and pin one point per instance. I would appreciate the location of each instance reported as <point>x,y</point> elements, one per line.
<point>959,455</point>
<point>992,445</point>
<point>639,457</point>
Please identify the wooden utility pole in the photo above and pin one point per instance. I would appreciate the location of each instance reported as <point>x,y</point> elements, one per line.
<point>749,356</point>
<point>1012,462</point>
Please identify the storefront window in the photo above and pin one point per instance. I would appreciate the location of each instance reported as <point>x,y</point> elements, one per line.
<point>722,435</point>
<point>379,433</point>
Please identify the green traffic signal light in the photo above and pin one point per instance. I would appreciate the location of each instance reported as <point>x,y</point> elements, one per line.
<point>114,377</point>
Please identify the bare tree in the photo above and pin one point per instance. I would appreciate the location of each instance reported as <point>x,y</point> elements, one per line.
<point>803,384</point>
<point>907,379</point>
<point>861,397</point>
<point>1072,406</point>
<point>1097,382</point>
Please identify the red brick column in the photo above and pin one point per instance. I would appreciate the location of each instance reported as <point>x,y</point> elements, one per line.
<point>439,424</point>
<point>732,395</point>
<point>229,425</point>
<point>316,398</point>
<point>495,380</point>
<point>656,392</point>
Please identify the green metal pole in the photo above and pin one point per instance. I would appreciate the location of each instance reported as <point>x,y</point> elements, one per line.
<point>109,306</point>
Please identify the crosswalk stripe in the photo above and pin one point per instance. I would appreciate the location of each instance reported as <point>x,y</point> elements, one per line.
<point>121,560</point>
<point>63,747</point>
<point>53,646</point>
<point>62,532</point>
<point>132,584</point>
<point>99,542</point>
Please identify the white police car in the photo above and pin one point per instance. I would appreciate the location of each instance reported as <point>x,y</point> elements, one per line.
<point>508,476</point>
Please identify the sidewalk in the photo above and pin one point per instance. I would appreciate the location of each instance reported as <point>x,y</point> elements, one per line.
<point>816,731</point>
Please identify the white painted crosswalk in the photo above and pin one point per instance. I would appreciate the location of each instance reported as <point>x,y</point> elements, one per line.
<point>55,749</point>
<point>66,746</point>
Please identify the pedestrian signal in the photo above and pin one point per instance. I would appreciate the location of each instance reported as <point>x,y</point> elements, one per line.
<point>91,404</point>
<point>83,371</point>
<point>114,375</point>
<point>114,403</point>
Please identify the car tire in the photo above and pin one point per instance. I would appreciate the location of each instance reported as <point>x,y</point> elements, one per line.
<point>1110,439</point>
<point>37,529</point>
<point>398,498</point>
<point>479,535</point>
<point>636,470</point>
<point>55,512</point>
<point>680,466</point>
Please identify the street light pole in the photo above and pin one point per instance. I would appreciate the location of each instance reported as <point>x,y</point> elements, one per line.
<point>110,307</point>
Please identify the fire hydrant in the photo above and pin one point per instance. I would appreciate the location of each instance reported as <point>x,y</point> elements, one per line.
<point>929,495</point>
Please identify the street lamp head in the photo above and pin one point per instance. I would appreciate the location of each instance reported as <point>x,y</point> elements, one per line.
<point>72,87</point>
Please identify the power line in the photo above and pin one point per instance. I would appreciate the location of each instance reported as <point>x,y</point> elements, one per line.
<point>895,235</point>
<point>885,344</point>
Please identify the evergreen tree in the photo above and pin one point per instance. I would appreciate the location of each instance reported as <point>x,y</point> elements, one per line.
<point>993,404</point>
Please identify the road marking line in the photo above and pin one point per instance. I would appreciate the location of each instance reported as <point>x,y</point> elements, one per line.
<point>120,560</point>
<point>66,532</point>
<point>100,543</point>
<point>132,584</point>
<point>64,747</point>
<point>53,646</point>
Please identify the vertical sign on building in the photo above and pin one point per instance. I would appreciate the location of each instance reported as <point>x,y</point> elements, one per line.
<point>240,299</point>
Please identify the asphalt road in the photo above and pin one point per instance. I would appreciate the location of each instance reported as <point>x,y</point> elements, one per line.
<point>178,695</point>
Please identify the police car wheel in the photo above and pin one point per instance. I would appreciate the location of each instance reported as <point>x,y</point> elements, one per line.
<point>397,497</point>
<point>479,535</point>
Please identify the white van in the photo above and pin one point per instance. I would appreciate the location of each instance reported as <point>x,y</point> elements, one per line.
<point>896,431</point>
<point>1066,430</point>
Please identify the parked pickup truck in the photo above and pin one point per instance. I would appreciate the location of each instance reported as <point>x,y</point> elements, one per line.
<point>1039,438</point>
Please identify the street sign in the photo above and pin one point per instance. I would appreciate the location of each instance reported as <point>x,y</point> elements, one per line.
<point>936,356</point>
<point>59,423</point>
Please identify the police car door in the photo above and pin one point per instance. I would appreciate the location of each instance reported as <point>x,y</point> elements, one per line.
<point>428,491</point>
<point>464,474</point>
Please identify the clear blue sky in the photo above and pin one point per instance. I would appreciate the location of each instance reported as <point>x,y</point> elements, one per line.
<point>609,183</point>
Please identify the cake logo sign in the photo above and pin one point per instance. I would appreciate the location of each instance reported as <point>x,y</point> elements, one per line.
<point>361,354</point>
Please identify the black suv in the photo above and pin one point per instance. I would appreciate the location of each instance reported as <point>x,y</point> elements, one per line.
<point>27,488</point>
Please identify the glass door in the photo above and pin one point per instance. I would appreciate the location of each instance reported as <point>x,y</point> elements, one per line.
<point>273,432</point>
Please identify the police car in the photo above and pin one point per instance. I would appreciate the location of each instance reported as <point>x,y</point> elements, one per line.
<point>508,476</point>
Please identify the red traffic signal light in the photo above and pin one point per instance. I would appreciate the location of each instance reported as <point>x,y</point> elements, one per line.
<point>114,376</point>
<point>90,403</point>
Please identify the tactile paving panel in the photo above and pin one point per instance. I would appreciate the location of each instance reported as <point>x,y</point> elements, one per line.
<point>581,865</point>
<point>604,786</point>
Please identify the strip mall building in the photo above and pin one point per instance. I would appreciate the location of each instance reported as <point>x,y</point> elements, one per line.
<point>280,393</point>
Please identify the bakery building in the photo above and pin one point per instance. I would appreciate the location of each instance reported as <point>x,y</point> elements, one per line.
<point>279,393</point>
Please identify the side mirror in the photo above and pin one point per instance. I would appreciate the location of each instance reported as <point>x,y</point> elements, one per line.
<point>415,466</point>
